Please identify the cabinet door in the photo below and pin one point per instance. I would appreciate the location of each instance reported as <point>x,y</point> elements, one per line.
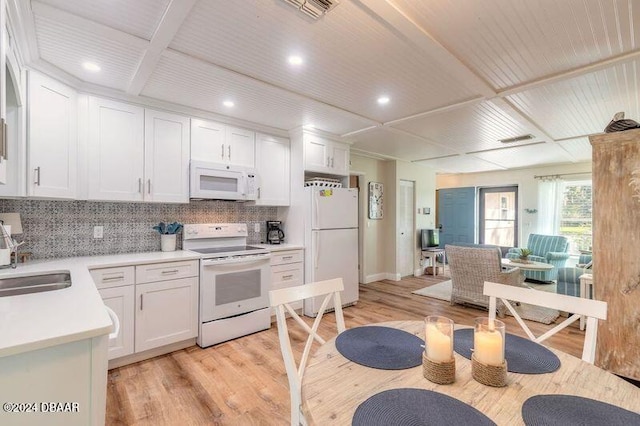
<point>272,164</point>
<point>52,138</point>
<point>166,150</point>
<point>166,312</point>
<point>207,141</point>
<point>241,146</point>
<point>116,151</point>
<point>340,159</point>
<point>121,301</point>
<point>316,155</point>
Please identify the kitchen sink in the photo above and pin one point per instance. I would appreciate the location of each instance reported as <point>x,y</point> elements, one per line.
<point>34,283</point>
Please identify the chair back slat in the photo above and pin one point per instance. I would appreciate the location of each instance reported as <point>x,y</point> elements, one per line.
<point>594,310</point>
<point>281,301</point>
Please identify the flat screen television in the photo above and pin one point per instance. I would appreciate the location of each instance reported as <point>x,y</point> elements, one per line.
<point>429,238</point>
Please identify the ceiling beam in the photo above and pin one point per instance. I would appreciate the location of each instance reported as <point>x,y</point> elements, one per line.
<point>572,73</point>
<point>171,21</point>
<point>404,26</point>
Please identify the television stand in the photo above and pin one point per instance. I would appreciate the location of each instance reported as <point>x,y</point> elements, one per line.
<point>432,254</point>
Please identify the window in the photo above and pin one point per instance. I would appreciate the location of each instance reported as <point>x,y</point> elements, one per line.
<point>575,215</point>
<point>499,216</point>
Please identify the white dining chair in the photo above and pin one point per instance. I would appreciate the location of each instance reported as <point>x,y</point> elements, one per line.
<point>281,301</point>
<point>594,310</point>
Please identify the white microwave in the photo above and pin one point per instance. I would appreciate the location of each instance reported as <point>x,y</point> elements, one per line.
<point>222,182</point>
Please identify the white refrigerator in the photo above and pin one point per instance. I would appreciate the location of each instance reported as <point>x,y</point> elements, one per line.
<point>331,241</point>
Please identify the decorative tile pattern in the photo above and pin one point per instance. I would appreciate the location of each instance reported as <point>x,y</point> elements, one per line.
<point>65,228</point>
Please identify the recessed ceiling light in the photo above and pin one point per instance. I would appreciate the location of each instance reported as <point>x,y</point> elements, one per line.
<point>90,66</point>
<point>383,100</point>
<point>228,104</point>
<point>295,60</point>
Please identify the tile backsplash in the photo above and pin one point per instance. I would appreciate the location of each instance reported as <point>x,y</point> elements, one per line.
<point>65,228</point>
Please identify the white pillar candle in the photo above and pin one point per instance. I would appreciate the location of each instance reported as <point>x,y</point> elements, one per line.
<point>439,339</point>
<point>488,347</point>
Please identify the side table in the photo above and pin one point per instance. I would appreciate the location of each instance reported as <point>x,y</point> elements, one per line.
<point>586,290</point>
<point>433,254</point>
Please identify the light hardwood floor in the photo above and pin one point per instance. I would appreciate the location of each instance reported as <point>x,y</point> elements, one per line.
<point>243,382</point>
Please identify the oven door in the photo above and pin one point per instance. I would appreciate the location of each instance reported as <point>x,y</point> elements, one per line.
<point>233,287</point>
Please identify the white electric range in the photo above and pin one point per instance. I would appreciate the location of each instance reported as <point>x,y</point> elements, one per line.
<point>234,282</point>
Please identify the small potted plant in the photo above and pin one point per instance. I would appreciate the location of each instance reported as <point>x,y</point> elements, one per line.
<point>524,254</point>
<point>168,235</point>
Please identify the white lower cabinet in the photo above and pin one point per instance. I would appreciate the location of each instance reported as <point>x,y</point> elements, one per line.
<point>120,300</point>
<point>166,312</point>
<point>287,270</point>
<point>156,304</point>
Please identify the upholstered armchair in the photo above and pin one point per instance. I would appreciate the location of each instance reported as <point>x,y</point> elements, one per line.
<point>470,267</point>
<point>568,278</point>
<point>552,249</point>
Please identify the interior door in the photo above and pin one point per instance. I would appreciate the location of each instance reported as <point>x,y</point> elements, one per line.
<point>456,215</point>
<point>406,229</point>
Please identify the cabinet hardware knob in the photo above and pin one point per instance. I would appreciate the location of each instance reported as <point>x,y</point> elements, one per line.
<point>140,185</point>
<point>141,301</point>
<point>173,271</point>
<point>37,181</point>
<point>222,152</point>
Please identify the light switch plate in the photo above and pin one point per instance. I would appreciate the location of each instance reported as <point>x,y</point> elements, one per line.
<point>256,227</point>
<point>98,231</point>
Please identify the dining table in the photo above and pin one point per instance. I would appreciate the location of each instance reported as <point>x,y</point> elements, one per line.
<point>333,386</point>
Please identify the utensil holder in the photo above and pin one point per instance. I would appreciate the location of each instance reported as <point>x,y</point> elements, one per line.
<point>441,373</point>
<point>168,242</point>
<point>490,375</point>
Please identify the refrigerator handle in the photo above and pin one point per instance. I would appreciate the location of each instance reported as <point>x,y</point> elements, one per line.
<point>316,207</point>
<point>316,243</point>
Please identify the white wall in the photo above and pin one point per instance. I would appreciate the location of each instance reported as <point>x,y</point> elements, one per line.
<point>527,187</point>
<point>380,246</point>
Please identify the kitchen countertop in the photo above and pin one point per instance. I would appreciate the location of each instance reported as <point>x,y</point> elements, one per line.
<point>39,320</point>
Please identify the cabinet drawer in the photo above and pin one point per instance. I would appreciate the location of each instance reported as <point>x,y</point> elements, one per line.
<point>286,275</point>
<point>166,271</point>
<point>113,277</point>
<point>283,257</point>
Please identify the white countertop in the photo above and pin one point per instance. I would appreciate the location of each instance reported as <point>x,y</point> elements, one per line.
<point>40,320</point>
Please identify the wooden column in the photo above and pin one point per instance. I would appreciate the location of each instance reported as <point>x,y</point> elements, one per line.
<point>616,249</point>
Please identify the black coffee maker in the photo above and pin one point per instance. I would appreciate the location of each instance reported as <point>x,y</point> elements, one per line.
<point>275,235</point>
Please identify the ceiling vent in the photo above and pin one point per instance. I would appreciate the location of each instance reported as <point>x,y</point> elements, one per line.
<point>314,8</point>
<point>517,139</point>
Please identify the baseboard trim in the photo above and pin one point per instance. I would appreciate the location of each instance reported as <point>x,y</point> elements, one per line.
<point>375,277</point>
<point>151,353</point>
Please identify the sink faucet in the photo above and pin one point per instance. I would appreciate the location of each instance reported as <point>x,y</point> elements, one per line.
<point>11,245</point>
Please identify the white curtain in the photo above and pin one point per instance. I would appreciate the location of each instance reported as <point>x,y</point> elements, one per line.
<point>550,192</point>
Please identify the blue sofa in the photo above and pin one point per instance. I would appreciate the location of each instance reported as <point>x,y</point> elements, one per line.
<point>552,249</point>
<point>568,278</point>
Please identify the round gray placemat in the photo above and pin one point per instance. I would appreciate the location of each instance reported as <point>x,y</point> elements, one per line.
<point>566,410</point>
<point>380,347</point>
<point>523,356</point>
<point>412,407</point>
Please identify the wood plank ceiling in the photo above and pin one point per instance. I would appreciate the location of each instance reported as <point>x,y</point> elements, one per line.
<point>459,77</point>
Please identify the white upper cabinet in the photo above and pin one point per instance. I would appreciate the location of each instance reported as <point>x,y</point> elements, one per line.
<point>166,149</point>
<point>218,143</point>
<point>273,165</point>
<point>52,152</point>
<point>325,156</point>
<point>137,154</point>
<point>13,146</point>
<point>116,151</point>
<point>240,147</point>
